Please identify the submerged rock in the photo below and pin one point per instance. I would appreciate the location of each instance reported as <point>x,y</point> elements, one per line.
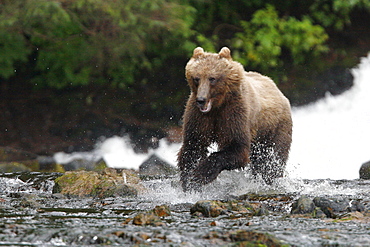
<point>365,171</point>
<point>245,238</point>
<point>252,238</point>
<point>105,184</point>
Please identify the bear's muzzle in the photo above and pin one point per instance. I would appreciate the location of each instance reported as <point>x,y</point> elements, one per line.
<point>204,105</point>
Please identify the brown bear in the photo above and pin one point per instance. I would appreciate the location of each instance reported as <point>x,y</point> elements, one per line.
<point>244,113</point>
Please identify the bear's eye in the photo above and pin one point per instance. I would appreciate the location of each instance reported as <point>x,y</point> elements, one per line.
<point>212,80</point>
<point>196,80</point>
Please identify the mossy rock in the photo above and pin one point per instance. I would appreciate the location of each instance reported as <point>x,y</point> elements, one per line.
<point>8,154</point>
<point>105,184</point>
<point>13,167</point>
<point>28,166</point>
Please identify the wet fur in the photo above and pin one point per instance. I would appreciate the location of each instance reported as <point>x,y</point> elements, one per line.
<point>249,118</point>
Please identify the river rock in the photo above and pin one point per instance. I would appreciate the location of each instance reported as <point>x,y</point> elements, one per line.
<point>365,171</point>
<point>262,211</point>
<point>149,218</point>
<point>162,211</point>
<point>155,166</point>
<point>252,238</point>
<point>333,207</point>
<point>14,160</point>
<point>13,167</point>
<point>152,217</point>
<point>244,238</point>
<point>215,208</point>
<point>303,205</point>
<point>88,165</point>
<point>208,208</point>
<point>105,184</point>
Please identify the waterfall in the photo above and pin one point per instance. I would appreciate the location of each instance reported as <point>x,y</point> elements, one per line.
<point>331,136</point>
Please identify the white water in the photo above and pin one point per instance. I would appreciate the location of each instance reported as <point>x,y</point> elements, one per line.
<point>330,137</point>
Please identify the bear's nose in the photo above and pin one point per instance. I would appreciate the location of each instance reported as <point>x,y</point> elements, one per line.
<point>201,101</point>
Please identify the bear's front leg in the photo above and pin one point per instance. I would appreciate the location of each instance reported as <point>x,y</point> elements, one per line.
<point>232,157</point>
<point>189,156</point>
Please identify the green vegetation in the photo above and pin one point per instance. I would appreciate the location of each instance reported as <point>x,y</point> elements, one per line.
<point>81,42</point>
<point>266,35</point>
<point>139,48</point>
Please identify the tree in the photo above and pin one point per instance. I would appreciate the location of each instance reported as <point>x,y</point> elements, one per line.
<point>79,42</point>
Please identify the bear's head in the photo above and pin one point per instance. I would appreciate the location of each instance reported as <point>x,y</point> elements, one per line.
<point>212,77</point>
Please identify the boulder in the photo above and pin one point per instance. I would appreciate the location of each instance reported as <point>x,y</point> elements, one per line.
<point>104,184</point>
<point>155,166</point>
<point>333,207</point>
<point>365,171</point>
<point>303,205</point>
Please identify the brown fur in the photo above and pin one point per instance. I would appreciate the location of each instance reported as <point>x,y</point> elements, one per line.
<point>243,112</point>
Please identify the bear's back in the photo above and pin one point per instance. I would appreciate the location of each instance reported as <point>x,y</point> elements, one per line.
<point>273,105</point>
<point>266,91</point>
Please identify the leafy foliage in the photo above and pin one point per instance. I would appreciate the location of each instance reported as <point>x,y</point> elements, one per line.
<point>264,38</point>
<point>79,42</point>
<point>119,42</point>
<point>335,13</point>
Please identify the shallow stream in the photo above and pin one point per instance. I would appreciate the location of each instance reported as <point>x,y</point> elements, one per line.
<point>31,215</point>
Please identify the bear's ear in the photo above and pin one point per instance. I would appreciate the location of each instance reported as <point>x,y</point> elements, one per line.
<point>225,53</point>
<point>198,52</point>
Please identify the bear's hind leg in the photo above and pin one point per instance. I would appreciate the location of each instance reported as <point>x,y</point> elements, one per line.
<point>269,157</point>
<point>265,162</point>
<point>270,152</point>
